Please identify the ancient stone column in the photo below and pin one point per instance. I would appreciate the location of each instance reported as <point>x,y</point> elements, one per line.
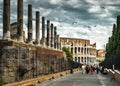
<point>43,31</point>
<point>55,37</point>
<point>20,20</point>
<point>30,23</point>
<point>58,42</point>
<point>60,45</point>
<point>52,40</point>
<point>37,28</point>
<point>48,33</point>
<point>6,19</point>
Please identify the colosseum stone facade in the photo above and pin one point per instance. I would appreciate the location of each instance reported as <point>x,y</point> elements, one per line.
<point>83,52</point>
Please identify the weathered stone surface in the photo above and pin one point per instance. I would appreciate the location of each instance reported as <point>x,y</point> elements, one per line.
<point>58,42</point>
<point>43,41</point>
<point>21,62</point>
<point>6,19</point>
<point>29,23</point>
<point>37,28</point>
<point>52,40</point>
<point>55,37</point>
<point>48,33</point>
<point>11,58</point>
<point>20,20</point>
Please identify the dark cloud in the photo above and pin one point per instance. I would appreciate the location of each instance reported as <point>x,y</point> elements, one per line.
<point>78,11</point>
<point>41,3</point>
<point>71,13</point>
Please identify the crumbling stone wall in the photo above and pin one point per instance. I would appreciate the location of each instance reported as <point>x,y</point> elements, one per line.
<point>12,60</point>
<point>22,62</point>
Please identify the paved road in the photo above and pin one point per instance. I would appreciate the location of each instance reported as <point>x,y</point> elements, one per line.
<point>79,79</point>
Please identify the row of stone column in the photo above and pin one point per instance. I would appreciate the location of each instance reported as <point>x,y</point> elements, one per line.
<point>83,60</point>
<point>51,41</point>
<point>83,50</point>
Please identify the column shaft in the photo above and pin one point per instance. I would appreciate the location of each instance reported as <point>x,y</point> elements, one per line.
<point>48,33</point>
<point>37,28</point>
<point>29,23</point>
<point>58,42</point>
<point>43,31</point>
<point>6,19</point>
<point>20,20</point>
<point>55,37</point>
<point>52,40</point>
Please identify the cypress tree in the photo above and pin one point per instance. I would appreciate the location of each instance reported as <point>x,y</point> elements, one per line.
<point>118,31</point>
<point>113,46</point>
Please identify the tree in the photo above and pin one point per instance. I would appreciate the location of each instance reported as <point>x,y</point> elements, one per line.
<point>1,81</point>
<point>113,46</point>
<point>68,54</point>
<point>69,58</point>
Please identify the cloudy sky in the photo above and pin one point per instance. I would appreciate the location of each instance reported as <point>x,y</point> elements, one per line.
<point>85,19</point>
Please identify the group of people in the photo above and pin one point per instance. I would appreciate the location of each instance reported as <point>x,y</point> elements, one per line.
<point>90,69</point>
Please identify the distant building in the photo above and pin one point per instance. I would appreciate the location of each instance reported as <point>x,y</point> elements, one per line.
<point>101,53</point>
<point>100,56</point>
<point>83,52</point>
<point>14,30</point>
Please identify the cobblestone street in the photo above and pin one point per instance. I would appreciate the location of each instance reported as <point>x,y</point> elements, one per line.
<point>79,79</point>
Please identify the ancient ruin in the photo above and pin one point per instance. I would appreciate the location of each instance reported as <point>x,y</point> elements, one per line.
<point>37,28</point>
<point>6,20</point>
<point>24,58</point>
<point>83,52</point>
<point>20,20</point>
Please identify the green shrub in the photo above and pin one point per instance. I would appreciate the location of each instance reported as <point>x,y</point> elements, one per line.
<point>1,81</point>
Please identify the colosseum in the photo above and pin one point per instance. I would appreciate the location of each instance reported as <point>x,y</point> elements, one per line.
<point>83,52</point>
